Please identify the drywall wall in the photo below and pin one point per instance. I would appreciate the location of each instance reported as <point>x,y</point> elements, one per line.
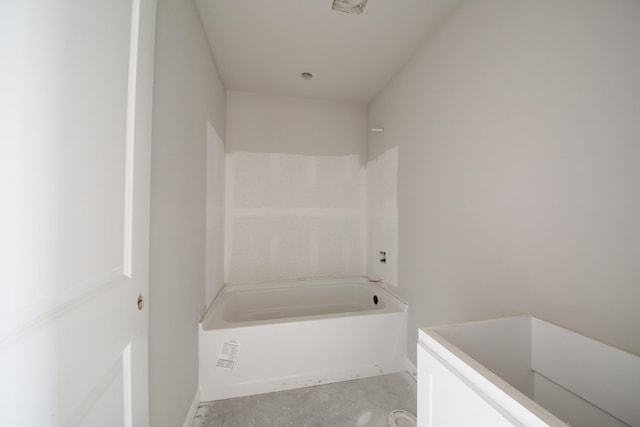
<point>263,123</point>
<point>517,133</point>
<point>187,94</point>
<point>295,188</point>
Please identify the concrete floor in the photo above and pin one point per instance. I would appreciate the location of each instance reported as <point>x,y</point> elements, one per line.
<point>357,403</point>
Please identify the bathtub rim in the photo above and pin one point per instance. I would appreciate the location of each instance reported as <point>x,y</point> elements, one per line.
<point>392,302</point>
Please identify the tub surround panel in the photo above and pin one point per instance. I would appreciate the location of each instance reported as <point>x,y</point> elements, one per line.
<point>298,245</point>
<point>292,216</point>
<point>382,216</point>
<point>295,188</point>
<point>296,181</point>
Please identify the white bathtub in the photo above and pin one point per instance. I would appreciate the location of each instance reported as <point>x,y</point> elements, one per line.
<point>268,337</point>
<point>523,371</point>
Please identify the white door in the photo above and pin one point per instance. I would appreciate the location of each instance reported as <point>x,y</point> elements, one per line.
<point>75,139</point>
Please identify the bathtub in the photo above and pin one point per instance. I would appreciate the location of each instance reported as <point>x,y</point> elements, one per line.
<point>523,371</point>
<point>268,337</point>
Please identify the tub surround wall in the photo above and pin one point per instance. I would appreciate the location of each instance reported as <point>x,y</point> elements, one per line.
<point>517,133</point>
<point>295,188</point>
<point>187,94</point>
<point>382,215</point>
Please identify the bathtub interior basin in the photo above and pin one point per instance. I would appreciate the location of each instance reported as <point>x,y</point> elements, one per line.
<point>294,301</point>
<point>525,371</point>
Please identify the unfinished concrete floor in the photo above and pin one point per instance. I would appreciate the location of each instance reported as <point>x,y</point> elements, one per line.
<point>358,403</point>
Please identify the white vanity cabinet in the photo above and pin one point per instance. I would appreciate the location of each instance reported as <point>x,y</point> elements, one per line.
<point>523,371</point>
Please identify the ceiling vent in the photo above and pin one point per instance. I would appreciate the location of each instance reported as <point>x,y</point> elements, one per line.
<point>349,6</point>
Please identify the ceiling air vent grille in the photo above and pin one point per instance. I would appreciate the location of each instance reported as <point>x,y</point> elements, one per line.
<point>349,6</point>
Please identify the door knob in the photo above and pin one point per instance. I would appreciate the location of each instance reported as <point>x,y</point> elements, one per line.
<point>140,302</point>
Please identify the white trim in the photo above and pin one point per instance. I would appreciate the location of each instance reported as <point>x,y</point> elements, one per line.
<point>130,139</point>
<point>191,415</point>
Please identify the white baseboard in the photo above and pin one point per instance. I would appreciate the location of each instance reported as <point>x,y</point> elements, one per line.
<point>411,369</point>
<point>188,421</point>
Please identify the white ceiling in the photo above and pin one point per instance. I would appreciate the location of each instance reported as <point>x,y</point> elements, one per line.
<point>264,45</point>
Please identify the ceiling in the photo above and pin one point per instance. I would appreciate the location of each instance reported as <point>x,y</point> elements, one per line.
<point>263,46</point>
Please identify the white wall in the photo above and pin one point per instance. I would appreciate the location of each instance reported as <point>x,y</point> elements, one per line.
<point>519,161</point>
<point>295,188</point>
<point>188,92</point>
